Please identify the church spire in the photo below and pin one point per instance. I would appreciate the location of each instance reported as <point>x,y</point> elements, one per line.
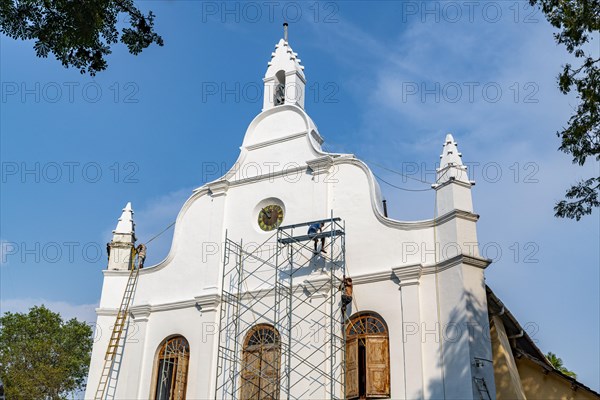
<point>284,80</point>
<point>452,181</point>
<point>126,226</point>
<point>123,240</point>
<point>451,165</point>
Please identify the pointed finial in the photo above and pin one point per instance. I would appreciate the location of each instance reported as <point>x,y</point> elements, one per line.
<point>285,31</point>
<point>450,154</point>
<point>126,224</point>
<point>451,165</point>
<point>449,138</point>
<point>123,241</point>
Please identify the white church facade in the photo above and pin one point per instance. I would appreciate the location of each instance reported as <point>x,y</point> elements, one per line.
<point>248,305</point>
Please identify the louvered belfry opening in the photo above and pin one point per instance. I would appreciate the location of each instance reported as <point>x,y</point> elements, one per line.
<point>279,97</point>
<point>171,369</point>
<point>281,329</point>
<point>367,357</point>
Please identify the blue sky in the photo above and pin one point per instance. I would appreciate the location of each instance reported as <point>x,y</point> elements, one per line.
<point>387,81</point>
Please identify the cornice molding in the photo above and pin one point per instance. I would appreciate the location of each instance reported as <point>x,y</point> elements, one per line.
<point>320,165</point>
<point>297,73</point>
<point>176,305</point>
<point>140,313</point>
<point>452,180</point>
<point>218,188</point>
<point>207,302</point>
<point>372,277</point>
<point>269,176</point>
<point>460,214</point>
<point>201,191</point>
<point>408,274</point>
<point>106,312</point>
<point>120,244</point>
<point>282,139</point>
<point>459,259</point>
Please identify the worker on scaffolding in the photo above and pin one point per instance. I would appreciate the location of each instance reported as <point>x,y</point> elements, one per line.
<point>313,230</point>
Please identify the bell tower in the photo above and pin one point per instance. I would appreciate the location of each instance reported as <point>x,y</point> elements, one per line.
<point>284,80</point>
<point>460,284</point>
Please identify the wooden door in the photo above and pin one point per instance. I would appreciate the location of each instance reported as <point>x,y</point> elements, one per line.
<point>269,376</point>
<point>378,384</point>
<point>180,376</point>
<point>250,376</point>
<point>352,369</point>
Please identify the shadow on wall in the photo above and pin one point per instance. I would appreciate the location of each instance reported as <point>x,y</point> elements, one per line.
<point>310,264</point>
<point>466,329</point>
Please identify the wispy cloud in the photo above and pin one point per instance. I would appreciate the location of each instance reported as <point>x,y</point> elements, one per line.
<point>433,78</point>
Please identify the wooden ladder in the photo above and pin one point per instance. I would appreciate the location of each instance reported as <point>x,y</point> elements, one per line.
<point>115,338</point>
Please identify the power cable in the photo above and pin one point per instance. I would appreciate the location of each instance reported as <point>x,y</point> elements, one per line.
<point>398,187</point>
<point>389,169</point>
<point>161,232</point>
<point>396,172</point>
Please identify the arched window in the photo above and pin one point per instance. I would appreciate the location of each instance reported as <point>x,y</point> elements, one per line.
<point>367,357</point>
<point>279,98</point>
<point>171,369</point>
<point>261,361</point>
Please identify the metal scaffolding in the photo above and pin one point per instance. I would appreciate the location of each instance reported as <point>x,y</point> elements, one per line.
<point>297,292</point>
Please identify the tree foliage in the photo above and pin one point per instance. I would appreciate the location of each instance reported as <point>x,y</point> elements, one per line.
<point>79,33</point>
<point>557,363</point>
<point>41,356</point>
<point>578,24</point>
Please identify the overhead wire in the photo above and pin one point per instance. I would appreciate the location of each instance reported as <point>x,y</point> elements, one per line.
<point>398,187</point>
<point>161,232</point>
<point>397,172</point>
<point>389,169</point>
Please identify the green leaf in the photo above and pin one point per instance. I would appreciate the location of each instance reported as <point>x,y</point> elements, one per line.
<point>78,33</point>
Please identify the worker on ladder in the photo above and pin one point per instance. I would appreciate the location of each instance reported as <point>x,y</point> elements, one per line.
<point>141,253</point>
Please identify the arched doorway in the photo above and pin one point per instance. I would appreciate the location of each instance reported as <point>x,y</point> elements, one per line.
<point>261,364</point>
<point>367,357</point>
<point>171,363</point>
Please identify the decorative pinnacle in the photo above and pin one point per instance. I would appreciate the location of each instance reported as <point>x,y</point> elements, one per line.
<point>451,165</point>
<point>285,31</point>
<point>450,155</point>
<point>126,224</point>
